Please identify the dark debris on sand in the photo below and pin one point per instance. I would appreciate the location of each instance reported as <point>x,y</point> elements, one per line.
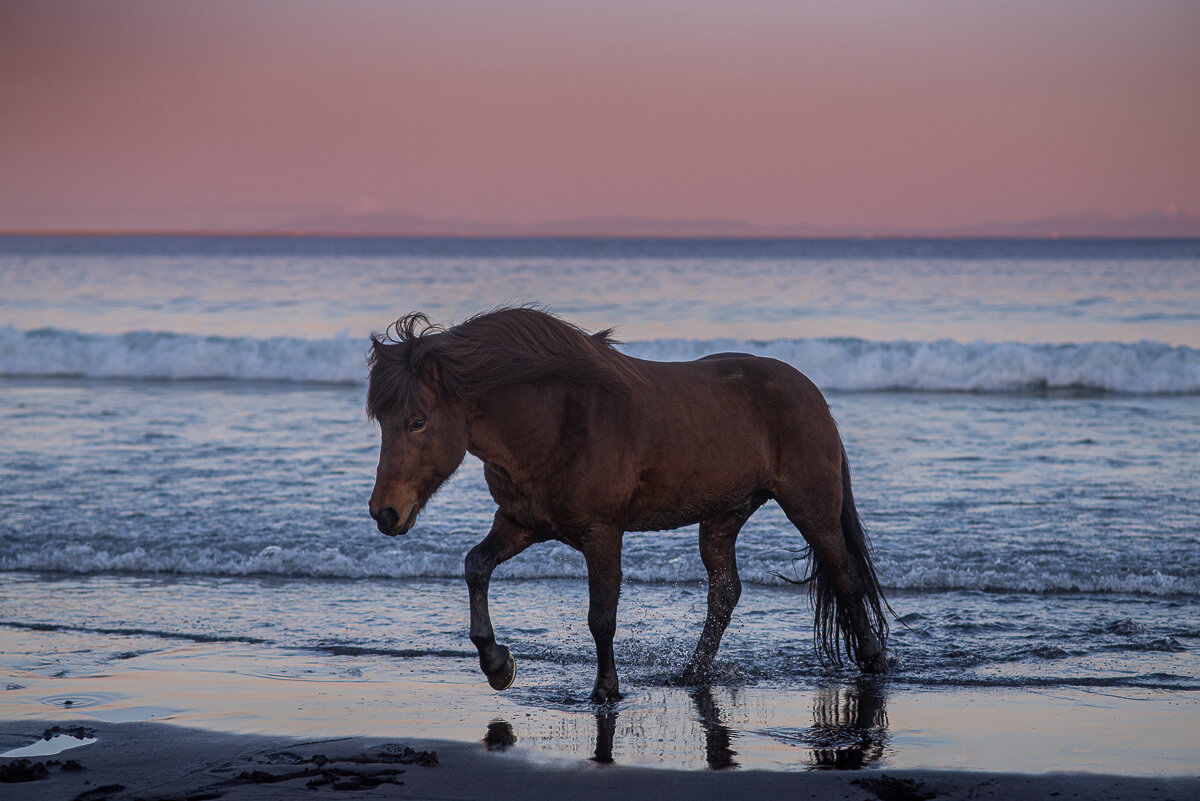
<point>887,788</point>
<point>22,770</point>
<point>25,770</point>
<point>78,732</point>
<point>291,770</point>
<point>354,772</point>
<point>102,793</point>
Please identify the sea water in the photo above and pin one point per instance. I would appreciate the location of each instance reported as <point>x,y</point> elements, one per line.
<point>185,457</point>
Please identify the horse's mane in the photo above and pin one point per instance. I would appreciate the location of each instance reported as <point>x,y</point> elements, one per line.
<point>498,348</point>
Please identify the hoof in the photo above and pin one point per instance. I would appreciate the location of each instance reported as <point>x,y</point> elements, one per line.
<point>882,663</point>
<point>601,696</point>
<point>503,679</point>
<point>693,676</point>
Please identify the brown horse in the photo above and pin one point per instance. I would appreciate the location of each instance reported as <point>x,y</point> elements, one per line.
<point>581,443</point>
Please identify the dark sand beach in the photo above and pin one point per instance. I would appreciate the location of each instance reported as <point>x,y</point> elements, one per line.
<point>158,761</point>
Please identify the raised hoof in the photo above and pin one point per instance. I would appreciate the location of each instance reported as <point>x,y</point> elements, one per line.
<point>503,679</point>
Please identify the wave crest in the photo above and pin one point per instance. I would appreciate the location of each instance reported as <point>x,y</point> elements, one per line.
<point>1140,368</point>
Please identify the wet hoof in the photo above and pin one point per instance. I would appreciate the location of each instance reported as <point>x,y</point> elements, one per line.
<point>503,679</point>
<point>693,676</point>
<point>881,663</point>
<point>605,695</point>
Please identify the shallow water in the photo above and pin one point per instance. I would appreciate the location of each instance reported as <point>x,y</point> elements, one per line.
<point>1045,545</point>
<point>1039,536</point>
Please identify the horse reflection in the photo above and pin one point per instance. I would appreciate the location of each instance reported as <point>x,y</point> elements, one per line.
<point>849,728</point>
<point>717,736</point>
<point>499,736</point>
<point>606,728</point>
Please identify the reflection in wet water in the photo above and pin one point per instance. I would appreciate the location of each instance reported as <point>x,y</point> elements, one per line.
<point>606,728</point>
<point>849,728</point>
<point>499,736</point>
<point>717,736</point>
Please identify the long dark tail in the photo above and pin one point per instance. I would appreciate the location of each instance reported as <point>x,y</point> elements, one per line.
<point>835,628</point>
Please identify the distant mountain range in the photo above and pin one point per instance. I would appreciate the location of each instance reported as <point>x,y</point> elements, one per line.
<point>1154,224</point>
<point>1162,224</point>
<point>414,225</point>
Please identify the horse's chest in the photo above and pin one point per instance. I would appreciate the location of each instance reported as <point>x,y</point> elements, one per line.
<point>526,503</point>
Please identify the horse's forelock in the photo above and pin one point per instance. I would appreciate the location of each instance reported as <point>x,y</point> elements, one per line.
<point>396,365</point>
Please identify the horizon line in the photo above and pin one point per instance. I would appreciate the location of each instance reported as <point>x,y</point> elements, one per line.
<point>276,233</point>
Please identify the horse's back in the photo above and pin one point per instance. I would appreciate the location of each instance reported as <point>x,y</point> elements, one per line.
<point>740,382</point>
<point>715,431</point>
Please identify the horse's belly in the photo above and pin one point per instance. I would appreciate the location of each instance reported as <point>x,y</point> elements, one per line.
<point>664,520</point>
<point>665,511</point>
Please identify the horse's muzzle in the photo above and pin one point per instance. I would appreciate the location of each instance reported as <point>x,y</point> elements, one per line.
<point>388,520</point>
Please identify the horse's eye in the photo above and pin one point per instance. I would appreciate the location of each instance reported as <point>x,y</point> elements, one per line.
<point>417,425</point>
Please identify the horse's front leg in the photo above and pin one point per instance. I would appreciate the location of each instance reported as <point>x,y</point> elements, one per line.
<point>504,541</point>
<point>718,537</point>
<point>602,549</point>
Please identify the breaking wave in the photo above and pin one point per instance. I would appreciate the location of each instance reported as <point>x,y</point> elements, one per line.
<point>560,562</point>
<point>1142,368</point>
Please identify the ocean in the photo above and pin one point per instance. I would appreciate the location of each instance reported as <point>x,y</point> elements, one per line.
<point>185,457</point>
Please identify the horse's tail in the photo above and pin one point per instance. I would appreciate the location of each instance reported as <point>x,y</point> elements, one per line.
<point>835,629</point>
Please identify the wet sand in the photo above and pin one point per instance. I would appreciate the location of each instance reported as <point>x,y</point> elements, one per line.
<point>231,721</point>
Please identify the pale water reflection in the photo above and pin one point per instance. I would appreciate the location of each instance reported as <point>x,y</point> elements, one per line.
<point>837,724</point>
<point>886,290</point>
<point>848,731</point>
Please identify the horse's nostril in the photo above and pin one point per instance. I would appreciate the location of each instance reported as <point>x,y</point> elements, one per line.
<point>387,518</point>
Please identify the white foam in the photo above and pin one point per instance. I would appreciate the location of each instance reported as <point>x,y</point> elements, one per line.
<point>560,562</point>
<point>161,355</point>
<point>1143,368</point>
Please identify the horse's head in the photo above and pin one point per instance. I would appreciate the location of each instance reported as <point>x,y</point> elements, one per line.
<point>424,434</point>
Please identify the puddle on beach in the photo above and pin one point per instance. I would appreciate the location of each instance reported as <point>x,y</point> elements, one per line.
<point>49,747</point>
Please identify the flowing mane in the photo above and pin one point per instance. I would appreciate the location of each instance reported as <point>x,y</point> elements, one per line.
<point>495,349</point>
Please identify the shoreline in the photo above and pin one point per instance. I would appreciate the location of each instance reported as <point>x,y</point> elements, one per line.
<point>161,761</point>
<point>224,693</point>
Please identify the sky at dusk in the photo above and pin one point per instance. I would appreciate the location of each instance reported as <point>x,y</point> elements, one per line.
<point>152,115</point>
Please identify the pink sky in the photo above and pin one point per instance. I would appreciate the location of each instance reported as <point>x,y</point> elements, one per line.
<point>900,114</point>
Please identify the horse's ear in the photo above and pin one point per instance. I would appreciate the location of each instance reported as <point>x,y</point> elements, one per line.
<point>373,356</point>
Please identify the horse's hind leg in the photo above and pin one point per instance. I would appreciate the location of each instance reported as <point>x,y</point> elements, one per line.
<point>844,590</point>
<point>503,542</point>
<point>718,537</point>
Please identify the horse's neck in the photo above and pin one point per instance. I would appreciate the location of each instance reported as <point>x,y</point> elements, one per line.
<point>510,426</point>
<point>515,426</point>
